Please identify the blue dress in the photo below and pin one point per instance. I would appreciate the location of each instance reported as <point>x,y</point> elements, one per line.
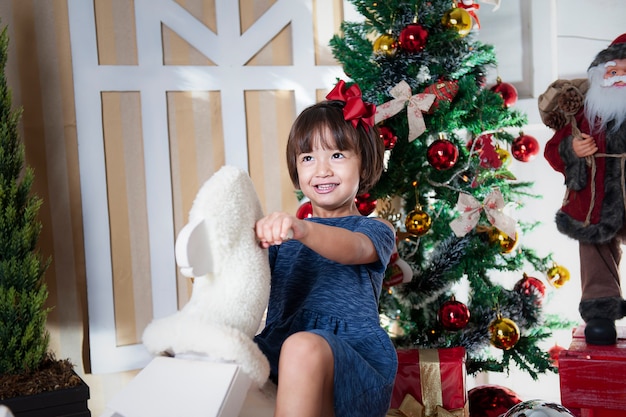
<point>339,303</point>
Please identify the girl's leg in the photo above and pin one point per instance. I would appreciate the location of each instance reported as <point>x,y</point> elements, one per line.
<point>305,377</point>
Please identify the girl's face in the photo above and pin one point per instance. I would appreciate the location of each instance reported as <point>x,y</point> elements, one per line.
<point>330,179</point>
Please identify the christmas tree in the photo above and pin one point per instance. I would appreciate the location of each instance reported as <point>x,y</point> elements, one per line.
<point>23,293</point>
<point>450,140</point>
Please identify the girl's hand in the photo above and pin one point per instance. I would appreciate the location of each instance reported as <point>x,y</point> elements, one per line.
<point>584,146</point>
<point>278,227</point>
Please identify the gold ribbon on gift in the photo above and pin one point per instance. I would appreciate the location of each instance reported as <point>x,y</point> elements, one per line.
<point>410,407</point>
<point>432,396</point>
<point>415,104</point>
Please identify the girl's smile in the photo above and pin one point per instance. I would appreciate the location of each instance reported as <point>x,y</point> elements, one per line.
<point>330,179</point>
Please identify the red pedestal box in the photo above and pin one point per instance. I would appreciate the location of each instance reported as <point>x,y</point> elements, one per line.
<point>593,378</point>
<point>434,377</point>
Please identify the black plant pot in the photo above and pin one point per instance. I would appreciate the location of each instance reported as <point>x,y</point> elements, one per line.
<point>67,402</point>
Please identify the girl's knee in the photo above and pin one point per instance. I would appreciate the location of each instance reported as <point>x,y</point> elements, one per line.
<point>306,346</point>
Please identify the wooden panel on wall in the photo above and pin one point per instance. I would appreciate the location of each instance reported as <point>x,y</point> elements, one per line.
<point>269,115</point>
<point>196,152</point>
<point>117,38</point>
<point>126,194</point>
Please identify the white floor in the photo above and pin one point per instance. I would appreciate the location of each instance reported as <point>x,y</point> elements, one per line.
<point>259,403</point>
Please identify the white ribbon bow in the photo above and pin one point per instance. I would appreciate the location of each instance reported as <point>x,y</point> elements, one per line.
<point>470,209</point>
<point>415,105</point>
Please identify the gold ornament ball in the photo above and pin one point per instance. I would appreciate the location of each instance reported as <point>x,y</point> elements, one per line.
<point>504,156</point>
<point>417,222</point>
<point>459,19</point>
<point>557,276</point>
<point>498,237</point>
<point>504,333</point>
<point>385,45</point>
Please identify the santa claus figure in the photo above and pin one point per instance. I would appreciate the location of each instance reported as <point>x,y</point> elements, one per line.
<point>589,149</point>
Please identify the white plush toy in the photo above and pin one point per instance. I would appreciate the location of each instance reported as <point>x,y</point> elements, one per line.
<point>231,284</point>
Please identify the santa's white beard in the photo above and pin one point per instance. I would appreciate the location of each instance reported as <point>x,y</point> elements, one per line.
<point>604,104</point>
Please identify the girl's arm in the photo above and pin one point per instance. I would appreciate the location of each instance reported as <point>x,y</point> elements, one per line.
<point>334,243</point>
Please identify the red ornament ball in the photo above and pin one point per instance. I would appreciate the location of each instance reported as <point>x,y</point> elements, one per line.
<point>453,315</point>
<point>491,400</point>
<point>305,210</point>
<point>365,203</point>
<point>442,154</point>
<point>530,286</point>
<point>413,38</point>
<point>524,148</point>
<point>554,353</point>
<point>507,91</point>
<point>388,137</point>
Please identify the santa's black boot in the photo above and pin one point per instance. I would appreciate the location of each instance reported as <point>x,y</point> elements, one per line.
<point>600,315</point>
<point>600,332</point>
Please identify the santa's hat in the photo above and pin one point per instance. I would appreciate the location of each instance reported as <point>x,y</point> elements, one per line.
<point>616,50</point>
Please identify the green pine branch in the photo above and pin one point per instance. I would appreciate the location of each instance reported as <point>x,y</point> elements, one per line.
<point>23,293</point>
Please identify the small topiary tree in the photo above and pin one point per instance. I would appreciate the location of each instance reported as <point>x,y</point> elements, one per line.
<point>23,292</point>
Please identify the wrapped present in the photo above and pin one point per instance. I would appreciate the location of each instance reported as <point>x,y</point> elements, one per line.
<point>591,376</point>
<point>410,407</point>
<point>436,378</point>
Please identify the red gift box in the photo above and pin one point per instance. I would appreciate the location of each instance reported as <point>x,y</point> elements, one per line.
<point>435,377</point>
<point>592,377</point>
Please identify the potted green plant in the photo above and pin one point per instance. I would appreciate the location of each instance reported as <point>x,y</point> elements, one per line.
<point>32,381</point>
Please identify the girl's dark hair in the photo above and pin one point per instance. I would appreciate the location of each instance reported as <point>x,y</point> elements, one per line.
<point>327,116</point>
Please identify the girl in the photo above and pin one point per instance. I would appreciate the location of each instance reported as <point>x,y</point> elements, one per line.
<point>327,351</point>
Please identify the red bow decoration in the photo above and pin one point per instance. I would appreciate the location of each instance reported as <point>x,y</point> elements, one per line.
<point>355,110</point>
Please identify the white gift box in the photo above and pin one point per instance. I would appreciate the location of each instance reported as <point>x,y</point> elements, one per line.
<point>175,387</point>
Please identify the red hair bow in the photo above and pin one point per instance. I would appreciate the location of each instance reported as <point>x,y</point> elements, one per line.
<point>355,109</point>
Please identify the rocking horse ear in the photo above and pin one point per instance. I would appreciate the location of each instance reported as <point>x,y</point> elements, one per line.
<point>193,252</point>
